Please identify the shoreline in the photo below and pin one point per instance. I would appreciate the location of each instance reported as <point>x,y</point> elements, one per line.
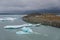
<point>45,19</point>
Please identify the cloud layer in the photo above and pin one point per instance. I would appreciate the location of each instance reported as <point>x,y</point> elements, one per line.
<point>20,5</point>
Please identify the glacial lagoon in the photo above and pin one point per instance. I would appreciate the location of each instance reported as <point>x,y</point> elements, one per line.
<point>45,32</point>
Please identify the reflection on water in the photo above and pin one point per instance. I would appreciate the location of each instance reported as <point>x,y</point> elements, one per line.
<point>46,32</point>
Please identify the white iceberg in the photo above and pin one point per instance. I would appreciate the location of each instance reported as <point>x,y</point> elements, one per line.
<point>36,25</point>
<point>19,26</point>
<point>25,30</point>
<point>12,26</point>
<point>7,18</point>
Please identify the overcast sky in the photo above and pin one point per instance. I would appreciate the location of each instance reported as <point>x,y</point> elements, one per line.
<point>21,5</point>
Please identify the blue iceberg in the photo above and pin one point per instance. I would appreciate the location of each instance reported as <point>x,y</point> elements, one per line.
<point>22,32</point>
<point>25,30</point>
<point>7,18</point>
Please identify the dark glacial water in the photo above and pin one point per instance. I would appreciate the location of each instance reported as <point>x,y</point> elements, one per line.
<point>46,32</point>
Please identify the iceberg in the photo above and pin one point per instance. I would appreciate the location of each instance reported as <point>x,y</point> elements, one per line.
<point>7,18</point>
<point>36,25</point>
<point>25,30</point>
<point>22,32</point>
<point>12,26</point>
<point>19,26</point>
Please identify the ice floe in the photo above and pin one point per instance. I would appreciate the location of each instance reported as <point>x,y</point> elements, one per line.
<point>25,30</point>
<point>12,26</point>
<point>22,32</point>
<point>7,18</point>
<point>19,26</point>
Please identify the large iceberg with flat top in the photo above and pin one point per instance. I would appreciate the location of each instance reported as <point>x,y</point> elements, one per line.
<point>7,18</point>
<point>20,26</point>
<point>12,26</point>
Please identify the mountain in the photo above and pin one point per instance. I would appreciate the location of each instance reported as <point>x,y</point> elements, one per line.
<point>50,10</point>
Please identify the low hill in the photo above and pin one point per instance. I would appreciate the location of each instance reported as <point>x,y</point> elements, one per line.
<point>45,19</point>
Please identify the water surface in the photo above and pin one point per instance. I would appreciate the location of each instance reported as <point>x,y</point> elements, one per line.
<point>46,32</point>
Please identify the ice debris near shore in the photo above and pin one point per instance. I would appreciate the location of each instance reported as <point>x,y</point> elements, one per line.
<point>12,26</point>
<point>20,26</point>
<point>7,18</point>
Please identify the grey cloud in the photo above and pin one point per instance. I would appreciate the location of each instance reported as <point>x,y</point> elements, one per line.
<point>12,5</point>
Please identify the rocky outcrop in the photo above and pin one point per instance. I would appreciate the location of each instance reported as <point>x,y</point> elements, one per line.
<point>45,19</point>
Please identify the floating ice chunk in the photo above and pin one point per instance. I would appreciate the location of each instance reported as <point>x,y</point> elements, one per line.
<point>19,26</point>
<point>7,18</point>
<point>12,26</point>
<point>26,25</point>
<point>25,30</point>
<point>36,25</point>
<point>29,25</point>
<point>22,32</point>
